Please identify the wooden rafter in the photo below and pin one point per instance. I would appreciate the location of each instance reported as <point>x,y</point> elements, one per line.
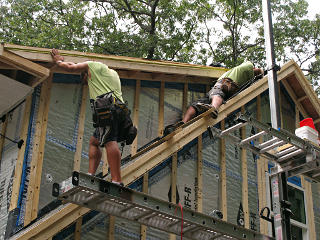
<point>18,62</point>
<point>119,62</point>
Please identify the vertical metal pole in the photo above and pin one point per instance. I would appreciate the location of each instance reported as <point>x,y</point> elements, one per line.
<point>272,73</point>
<point>278,181</point>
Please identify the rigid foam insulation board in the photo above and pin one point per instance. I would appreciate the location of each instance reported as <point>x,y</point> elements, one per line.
<point>8,162</point>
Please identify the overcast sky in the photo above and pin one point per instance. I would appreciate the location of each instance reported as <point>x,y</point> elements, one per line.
<point>313,7</point>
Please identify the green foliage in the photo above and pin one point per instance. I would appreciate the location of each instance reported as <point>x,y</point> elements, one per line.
<point>197,31</point>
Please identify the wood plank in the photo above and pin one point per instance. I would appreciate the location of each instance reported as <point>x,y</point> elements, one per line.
<point>119,62</point>
<point>23,64</point>
<point>78,153</point>
<point>81,121</point>
<point>297,116</point>
<point>161,110</point>
<point>223,176</point>
<point>112,221</point>
<point>145,189</point>
<point>20,158</point>
<point>244,174</point>
<point>198,127</point>
<point>174,166</point>
<point>58,226</point>
<point>135,120</point>
<point>309,208</point>
<point>199,185</point>
<point>37,153</point>
<point>77,232</point>
<point>184,99</point>
<point>261,175</point>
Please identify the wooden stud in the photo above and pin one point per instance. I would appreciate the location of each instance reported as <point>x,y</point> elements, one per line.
<point>184,98</point>
<point>223,176</point>
<point>261,176</point>
<point>18,169</point>
<point>199,176</point>
<point>161,110</point>
<point>175,143</point>
<point>112,221</point>
<point>145,189</point>
<point>38,153</point>
<point>134,145</point>
<point>297,117</point>
<point>244,173</point>
<point>309,208</point>
<point>174,167</point>
<point>77,155</point>
<point>77,231</point>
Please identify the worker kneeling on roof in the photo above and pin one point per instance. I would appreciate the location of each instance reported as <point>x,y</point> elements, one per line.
<point>111,117</point>
<point>226,86</point>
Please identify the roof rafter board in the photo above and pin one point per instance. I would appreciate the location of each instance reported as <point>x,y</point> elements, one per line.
<point>119,62</point>
<point>22,63</point>
<point>308,89</point>
<point>176,142</point>
<point>176,78</point>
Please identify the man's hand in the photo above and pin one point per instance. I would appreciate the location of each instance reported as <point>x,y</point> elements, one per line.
<point>56,56</point>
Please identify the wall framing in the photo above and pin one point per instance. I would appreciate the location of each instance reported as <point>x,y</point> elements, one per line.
<point>72,212</point>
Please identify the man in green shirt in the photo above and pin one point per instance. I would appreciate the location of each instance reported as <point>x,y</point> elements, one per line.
<point>101,80</point>
<point>226,86</point>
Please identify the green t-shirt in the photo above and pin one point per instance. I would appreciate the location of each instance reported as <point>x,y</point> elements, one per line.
<point>103,80</point>
<point>240,74</point>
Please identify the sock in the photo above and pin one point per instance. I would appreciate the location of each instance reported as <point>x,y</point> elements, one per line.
<point>116,182</point>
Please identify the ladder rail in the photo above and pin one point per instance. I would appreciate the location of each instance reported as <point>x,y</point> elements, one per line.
<point>148,210</point>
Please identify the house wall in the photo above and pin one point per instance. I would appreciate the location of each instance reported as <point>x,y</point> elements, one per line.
<point>60,146</point>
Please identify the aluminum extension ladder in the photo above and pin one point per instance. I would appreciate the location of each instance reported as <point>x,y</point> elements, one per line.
<point>97,194</point>
<point>291,154</point>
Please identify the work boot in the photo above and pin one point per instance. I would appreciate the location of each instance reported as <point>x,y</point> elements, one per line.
<point>203,107</point>
<point>172,127</point>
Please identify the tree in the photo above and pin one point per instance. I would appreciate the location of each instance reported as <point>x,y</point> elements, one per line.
<point>240,34</point>
<point>195,31</point>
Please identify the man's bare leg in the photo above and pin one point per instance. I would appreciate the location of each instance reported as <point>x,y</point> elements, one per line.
<point>190,113</point>
<point>216,101</point>
<point>94,155</point>
<point>114,159</point>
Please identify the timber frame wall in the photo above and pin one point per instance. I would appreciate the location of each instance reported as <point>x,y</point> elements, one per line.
<point>59,219</point>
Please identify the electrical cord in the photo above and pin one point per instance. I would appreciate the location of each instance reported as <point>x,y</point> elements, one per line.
<point>20,142</point>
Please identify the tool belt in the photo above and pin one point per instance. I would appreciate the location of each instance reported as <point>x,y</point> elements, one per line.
<point>106,109</point>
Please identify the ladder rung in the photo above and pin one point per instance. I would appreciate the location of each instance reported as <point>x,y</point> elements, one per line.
<point>147,214</point>
<point>192,228</point>
<point>289,155</point>
<point>259,134</point>
<point>267,143</point>
<point>316,175</point>
<point>276,144</point>
<point>286,151</point>
<point>126,209</point>
<point>233,128</point>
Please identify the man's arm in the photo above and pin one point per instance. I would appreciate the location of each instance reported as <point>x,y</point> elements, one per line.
<point>69,66</point>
